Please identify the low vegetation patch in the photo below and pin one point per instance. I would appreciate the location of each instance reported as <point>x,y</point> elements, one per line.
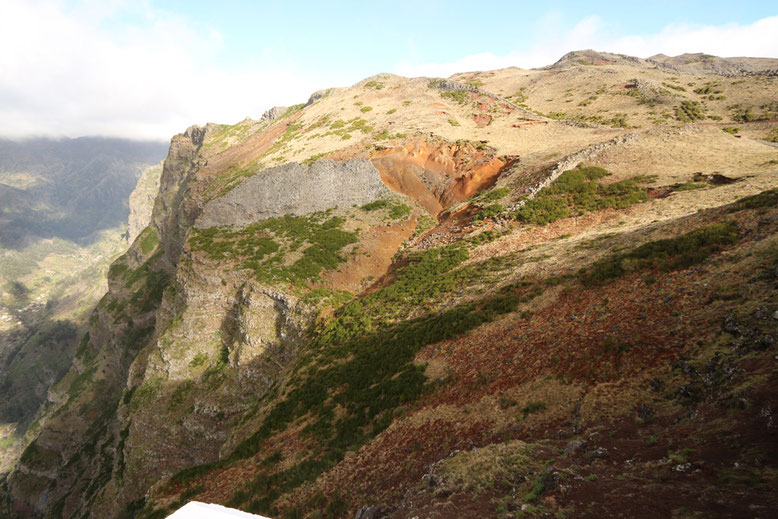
<point>361,366</point>
<point>148,240</point>
<point>764,199</point>
<point>488,212</point>
<point>577,192</point>
<point>394,210</point>
<point>262,247</point>
<point>689,111</point>
<point>669,254</point>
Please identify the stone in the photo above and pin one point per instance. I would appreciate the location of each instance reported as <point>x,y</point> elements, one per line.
<point>274,113</point>
<point>599,453</point>
<point>371,512</point>
<point>574,446</point>
<point>295,189</point>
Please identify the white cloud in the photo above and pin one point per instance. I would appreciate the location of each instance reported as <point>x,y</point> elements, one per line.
<point>552,40</point>
<point>78,71</point>
<point>124,68</point>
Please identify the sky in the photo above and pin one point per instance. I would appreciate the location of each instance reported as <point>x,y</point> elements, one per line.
<point>148,69</point>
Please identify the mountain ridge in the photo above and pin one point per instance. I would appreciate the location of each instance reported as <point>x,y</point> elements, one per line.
<point>458,342</point>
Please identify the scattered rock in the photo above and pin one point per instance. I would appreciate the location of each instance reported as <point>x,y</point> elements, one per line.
<point>682,467</point>
<point>762,312</point>
<point>599,453</point>
<point>731,325</point>
<point>431,480</point>
<point>574,446</point>
<point>371,512</point>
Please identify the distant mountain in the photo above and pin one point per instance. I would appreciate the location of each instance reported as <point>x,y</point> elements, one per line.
<point>68,188</point>
<point>697,63</point>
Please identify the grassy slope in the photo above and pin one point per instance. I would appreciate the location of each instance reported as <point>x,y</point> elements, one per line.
<point>598,373</point>
<point>528,339</point>
<point>499,340</point>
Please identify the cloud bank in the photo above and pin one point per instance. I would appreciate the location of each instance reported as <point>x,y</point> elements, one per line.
<point>552,40</point>
<point>123,68</point>
<point>77,71</point>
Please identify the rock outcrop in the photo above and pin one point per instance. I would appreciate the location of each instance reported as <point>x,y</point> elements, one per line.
<point>142,201</point>
<point>296,189</point>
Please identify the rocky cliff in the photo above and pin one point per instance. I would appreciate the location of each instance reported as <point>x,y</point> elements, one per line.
<point>142,201</point>
<point>416,297</point>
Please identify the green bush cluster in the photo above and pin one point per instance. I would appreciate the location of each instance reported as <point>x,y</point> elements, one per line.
<point>461,97</point>
<point>395,210</point>
<point>385,135</point>
<point>578,191</point>
<point>346,128</point>
<point>496,194</point>
<point>675,87</point>
<point>769,111</point>
<point>148,240</point>
<point>689,111</point>
<point>669,254</point>
<point>707,90</point>
<point>767,198</point>
<point>261,247</point>
<point>378,85</point>
<point>487,212</point>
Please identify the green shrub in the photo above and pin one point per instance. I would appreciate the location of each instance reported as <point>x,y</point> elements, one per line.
<point>689,186</point>
<point>378,85</point>
<point>577,191</point>
<point>496,194</point>
<point>461,97</point>
<point>669,254</point>
<point>542,211</point>
<point>399,211</point>
<point>199,360</point>
<point>689,111</point>
<point>533,407</point>
<point>488,212</point>
<point>149,239</point>
<point>767,198</point>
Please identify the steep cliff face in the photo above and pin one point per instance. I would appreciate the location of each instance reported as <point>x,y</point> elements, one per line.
<point>72,452</point>
<point>184,336</point>
<point>142,201</point>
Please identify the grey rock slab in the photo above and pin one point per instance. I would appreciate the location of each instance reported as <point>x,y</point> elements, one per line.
<point>295,189</point>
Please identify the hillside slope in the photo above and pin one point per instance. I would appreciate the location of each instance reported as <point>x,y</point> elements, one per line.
<point>506,293</point>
